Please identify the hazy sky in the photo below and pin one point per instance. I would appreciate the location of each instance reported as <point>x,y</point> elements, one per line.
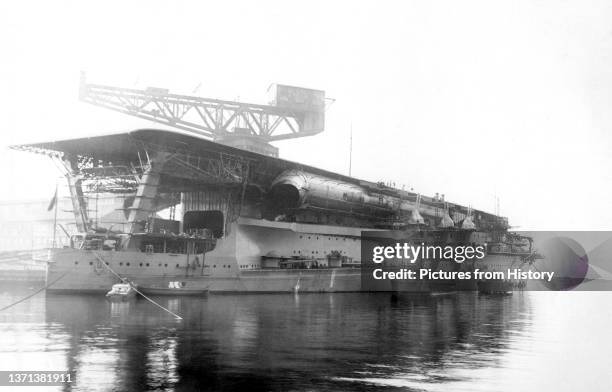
<point>470,99</point>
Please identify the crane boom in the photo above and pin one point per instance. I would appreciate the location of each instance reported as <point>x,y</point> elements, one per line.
<point>295,112</point>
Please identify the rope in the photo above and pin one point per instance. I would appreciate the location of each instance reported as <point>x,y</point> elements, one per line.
<point>37,291</point>
<point>134,287</point>
<point>155,303</point>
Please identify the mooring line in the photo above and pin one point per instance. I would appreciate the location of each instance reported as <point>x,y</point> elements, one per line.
<point>37,291</point>
<point>134,287</point>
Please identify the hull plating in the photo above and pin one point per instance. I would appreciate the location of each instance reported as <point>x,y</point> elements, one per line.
<point>235,265</point>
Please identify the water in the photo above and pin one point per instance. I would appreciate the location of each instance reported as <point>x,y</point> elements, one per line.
<point>540,341</point>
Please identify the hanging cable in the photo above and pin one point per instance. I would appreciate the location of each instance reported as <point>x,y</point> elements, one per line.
<point>37,291</point>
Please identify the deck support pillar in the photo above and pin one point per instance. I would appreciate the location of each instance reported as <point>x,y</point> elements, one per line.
<point>145,201</point>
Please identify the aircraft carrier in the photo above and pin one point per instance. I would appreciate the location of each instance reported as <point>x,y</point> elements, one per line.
<point>248,221</point>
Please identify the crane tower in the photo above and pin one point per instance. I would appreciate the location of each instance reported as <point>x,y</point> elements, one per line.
<point>294,112</point>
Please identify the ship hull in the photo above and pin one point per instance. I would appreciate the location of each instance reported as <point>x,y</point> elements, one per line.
<point>238,264</point>
<point>501,263</point>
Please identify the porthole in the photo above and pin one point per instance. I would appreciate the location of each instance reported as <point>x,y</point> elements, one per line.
<point>91,263</point>
<point>140,264</point>
<point>165,265</point>
<point>177,266</point>
<point>121,263</point>
<point>128,264</point>
<point>147,264</point>
<point>76,262</point>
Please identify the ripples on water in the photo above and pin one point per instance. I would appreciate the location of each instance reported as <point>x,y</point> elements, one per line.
<point>366,342</point>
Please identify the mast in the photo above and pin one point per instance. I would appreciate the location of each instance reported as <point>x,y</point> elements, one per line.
<point>351,151</point>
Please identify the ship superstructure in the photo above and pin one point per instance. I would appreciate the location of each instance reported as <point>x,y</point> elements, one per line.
<point>248,221</point>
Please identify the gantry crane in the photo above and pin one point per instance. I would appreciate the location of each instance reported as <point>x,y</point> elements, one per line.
<point>295,112</point>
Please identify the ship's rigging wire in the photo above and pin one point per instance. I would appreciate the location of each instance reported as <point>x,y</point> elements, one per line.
<point>37,291</point>
<point>134,287</point>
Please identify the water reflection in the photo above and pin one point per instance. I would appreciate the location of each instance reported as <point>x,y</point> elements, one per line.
<point>276,342</point>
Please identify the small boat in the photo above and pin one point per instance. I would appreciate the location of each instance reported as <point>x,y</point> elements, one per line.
<point>176,291</point>
<point>121,292</point>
